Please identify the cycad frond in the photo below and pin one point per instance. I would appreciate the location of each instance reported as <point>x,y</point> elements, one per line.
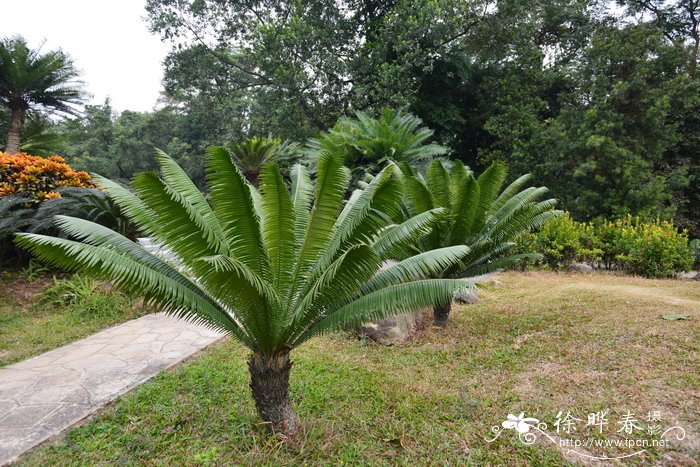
<point>478,216</point>
<point>270,267</point>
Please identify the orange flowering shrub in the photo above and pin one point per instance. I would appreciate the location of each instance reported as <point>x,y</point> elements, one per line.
<point>38,178</point>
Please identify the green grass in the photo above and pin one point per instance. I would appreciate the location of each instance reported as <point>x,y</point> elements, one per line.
<point>537,343</point>
<point>45,313</point>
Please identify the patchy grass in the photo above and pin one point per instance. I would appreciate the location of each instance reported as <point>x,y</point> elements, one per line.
<point>537,343</point>
<point>47,313</point>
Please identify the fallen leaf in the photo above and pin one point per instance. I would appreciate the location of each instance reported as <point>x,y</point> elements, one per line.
<point>675,317</point>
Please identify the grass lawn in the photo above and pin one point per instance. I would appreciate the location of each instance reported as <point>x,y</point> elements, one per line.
<point>537,343</point>
<point>47,313</point>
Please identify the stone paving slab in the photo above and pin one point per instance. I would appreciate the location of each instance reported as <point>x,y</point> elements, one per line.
<point>44,395</point>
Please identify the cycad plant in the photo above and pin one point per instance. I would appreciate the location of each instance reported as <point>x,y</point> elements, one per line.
<point>252,154</point>
<point>367,143</point>
<point>31,79</point>
<point>480,215</point>
<point>270,267</point>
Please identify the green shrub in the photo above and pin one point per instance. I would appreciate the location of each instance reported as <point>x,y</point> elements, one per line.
<point>658,250</point>
<point>652,249</point>
<point>563,241</point>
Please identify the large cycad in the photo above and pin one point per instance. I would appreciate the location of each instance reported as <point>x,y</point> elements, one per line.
<point>31,79</point>
<point>269,267</point>
<point>479,214</point>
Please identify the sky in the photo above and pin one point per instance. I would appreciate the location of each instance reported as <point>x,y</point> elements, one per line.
<point>108,41</point>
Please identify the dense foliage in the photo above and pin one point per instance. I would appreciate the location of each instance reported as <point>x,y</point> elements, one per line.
<point>38,178</point>
<point>599,104</point>
<point>652,249</point>
<point>480,213</point>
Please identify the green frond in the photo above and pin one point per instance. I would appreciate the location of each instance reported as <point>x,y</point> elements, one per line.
<point>438,183</point>
<point>422,266</point>
<point>340,280</point>
<point>331,183</point>
<point>510,191</point>
<point>464,211</point>
<point>396,299</point>
<point>179,226</point>
<point>490,183</point>
<point>409,231</point>
<point>278,226</point>
<point>193,200</point>
<point>234,208</point>
<point>418,198</point>
<point>302,198</point>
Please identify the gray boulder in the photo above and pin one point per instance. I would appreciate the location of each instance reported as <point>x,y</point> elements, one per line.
<point>466,296</point>
<point>691,275</point>
<point>394,329</point>
<point>581,267</point>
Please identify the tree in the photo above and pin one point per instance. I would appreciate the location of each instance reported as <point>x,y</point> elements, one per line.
<point>293,67</point>
<point>270,268</point>
<point>480,215</point>
<point>118,146</point>
<point>32,80</point>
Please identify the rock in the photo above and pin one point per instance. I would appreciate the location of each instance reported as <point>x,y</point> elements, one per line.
<point>691,275</point>
<point>580,267</point>
<point>466,296</point>
<point>392,330</point>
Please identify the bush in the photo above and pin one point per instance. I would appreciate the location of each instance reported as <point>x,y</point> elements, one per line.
<point>35,189</point>
<point>38,178</point>
<point>563,241</point>
<point>651,249</point>
<point>658,250</point>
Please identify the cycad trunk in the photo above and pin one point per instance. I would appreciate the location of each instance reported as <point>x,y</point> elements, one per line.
<point>441,314</point>
<point>269,381</point>
<point>16,124</point>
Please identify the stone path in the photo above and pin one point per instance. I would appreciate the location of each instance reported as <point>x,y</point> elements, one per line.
<point>44,395</point>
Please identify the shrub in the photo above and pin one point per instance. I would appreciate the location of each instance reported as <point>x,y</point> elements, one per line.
<point>657,250</point>
<point>563,241</point>
<point>652,249</point>
<point>479,212</point>
<point>38,178</point>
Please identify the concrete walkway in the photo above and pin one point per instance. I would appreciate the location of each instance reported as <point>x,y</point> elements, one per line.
<point>44,395</point>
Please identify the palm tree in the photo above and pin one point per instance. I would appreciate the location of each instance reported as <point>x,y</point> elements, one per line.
<point>271,268</point>
<point>30,79</point>
<point>480,215</point>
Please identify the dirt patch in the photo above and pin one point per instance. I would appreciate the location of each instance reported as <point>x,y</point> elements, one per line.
<point>20,290</point>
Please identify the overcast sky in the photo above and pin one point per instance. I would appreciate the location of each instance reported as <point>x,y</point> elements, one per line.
<point>108,41</point>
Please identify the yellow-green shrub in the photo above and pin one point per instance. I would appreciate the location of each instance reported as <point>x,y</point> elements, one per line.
<point>652,249</point>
